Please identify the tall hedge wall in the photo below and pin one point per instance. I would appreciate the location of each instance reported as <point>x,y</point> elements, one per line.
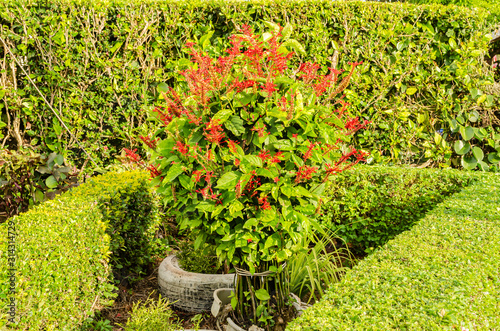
<point>99,63</point>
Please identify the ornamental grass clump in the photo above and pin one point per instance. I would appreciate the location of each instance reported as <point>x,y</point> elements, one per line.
<point>242,157</point>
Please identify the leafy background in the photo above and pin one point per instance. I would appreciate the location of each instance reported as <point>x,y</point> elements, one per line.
<point>423,82</point>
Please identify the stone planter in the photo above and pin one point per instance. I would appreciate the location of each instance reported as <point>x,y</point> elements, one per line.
<point>222,299</point>
<point>189,291</point>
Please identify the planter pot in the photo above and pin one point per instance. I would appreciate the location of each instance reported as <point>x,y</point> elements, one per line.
<point>189,291</point>
<point>222,299</point>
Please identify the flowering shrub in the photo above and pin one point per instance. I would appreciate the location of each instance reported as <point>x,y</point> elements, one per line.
<point>243,156</point>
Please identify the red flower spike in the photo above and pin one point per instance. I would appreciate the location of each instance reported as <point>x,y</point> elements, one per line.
<point>276,157</point>
<point>214,132</point>
<point>304,173</point>
<point>265,205</point>
<point>181,148</point>
<point>307,154</point>
<point>150,143</point>
<point>264,155</point>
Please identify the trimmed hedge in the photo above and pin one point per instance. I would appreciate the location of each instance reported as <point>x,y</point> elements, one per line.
<point>443,274</point>
<point>369,205</point>
<point>100,62</point>
<point>63,250</point>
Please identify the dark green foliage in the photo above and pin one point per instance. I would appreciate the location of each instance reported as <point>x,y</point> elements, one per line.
<point>440,275</point>
<point>64,248</point>
<point>370,205</point>
<point>420,62</point>
<point>26,176</point>
<point>202,260</point>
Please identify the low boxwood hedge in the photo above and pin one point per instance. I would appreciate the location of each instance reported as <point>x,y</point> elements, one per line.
<point>63,250</point>
<point>370,205</point>
<point>443,274</point>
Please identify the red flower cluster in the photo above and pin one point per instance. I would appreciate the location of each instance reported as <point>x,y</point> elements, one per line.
<point>260,131</point>
<point>150,143</point>
<point>269,87</point>
<point>132,155</point>
<point>264,203</point>
<point>264,155</point>
<point>308,154</point>
<point>354,124</point>
<point>276,157</point>
<point>240,86</point>
<point>308,71</point>
<point>208,193</point>
<point>154,171</point>
<point>337,168</point>
<point>214,132</point>
<point>304,173</point>
<point>232,145</point>
<point>252,184</point>
<point>183,149</point>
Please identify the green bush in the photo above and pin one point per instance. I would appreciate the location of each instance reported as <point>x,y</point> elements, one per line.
<point>152,316</point>
<point>63,249</point>
<point>420,62</point>
<point>130,210</point>
<point>440,275</point>
<point>370,205</point>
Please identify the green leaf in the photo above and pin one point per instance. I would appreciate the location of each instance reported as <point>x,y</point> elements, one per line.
<point>262,294</point>
<point>266,36</point>
<point>481,99</point>
<point>185,181</point>
<point>301,191</point>
<point>469,162</point>
<point>173,172</point>
<point>483,166</point>
<point>234,301</point>
<point>254,160</point>
<point>59,159</point>
<point>297,47</point>
<point>228,180</point>
<point>461,147</point>
<point>235,207</point>
<point>474,116</point>
<point>287,190</point>
<point>162,87</point>
<point>474,92</point>
<point>251,222</point>
<point>411,91</point>
<point>235,125</point>
<point>51,182</point>
<point>273,26</point>
<point>478,153</point>
<point>200,240</point>
<point>222,115</point>
<point>39,196</point>
<point>494,158</point>
<point>205,40</point>
<point>287,31</point>
<point>467,132</point>
<point>207,206</point>
<point>453,43</point>
<point>283,145</point>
